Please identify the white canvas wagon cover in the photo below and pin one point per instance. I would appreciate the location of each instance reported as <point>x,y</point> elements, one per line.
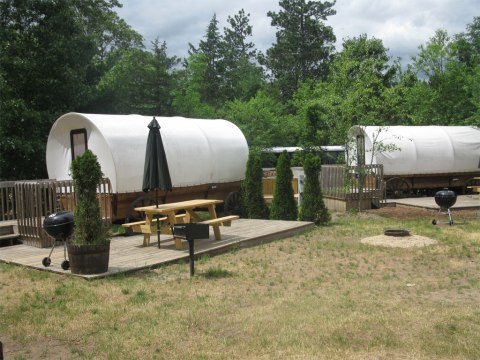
<point>412,150</point>
<point>198,151</point>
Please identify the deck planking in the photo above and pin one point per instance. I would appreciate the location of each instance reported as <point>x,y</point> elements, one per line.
<point>127,253</point>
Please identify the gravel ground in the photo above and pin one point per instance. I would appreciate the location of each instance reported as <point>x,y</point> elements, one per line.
<point>399,241</point>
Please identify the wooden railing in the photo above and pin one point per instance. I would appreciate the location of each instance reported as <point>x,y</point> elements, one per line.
<point>352,182</point>
<point>29,202</point>
<point>7,201</point>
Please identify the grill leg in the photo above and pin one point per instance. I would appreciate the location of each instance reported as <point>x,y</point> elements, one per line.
<point>53,247</point>
<point>64,249</point>
<point>450,216</point>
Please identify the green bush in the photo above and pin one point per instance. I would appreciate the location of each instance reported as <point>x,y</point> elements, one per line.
<point>87,174</point>
<point>284,206</point>
<point>253,203</point>
<point>312,207</point>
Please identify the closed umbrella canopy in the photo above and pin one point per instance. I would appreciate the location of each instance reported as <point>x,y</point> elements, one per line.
<point>155,173</point>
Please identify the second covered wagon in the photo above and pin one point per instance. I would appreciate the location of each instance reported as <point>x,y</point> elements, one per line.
<point>420,158</point>
<point>206,158</point>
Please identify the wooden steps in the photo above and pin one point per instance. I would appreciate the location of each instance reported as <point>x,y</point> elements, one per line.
<point>8,233</point>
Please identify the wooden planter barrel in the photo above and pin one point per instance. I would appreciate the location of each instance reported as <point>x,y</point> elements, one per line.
<point>88,259</point>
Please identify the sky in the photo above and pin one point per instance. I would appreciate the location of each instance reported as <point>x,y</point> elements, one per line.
<point>402,25</point>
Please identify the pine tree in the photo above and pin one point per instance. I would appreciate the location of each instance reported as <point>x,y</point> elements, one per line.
<point>243,76</point>
<point>284,206</point>
<point>304,46</point>
<point>210,81</point>
<point>312,207</point>
<point>254,206</point>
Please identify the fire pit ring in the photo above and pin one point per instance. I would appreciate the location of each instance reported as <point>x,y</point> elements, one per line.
<point>396,232</point>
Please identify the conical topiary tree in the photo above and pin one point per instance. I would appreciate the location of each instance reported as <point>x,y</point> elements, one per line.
<point>284,206</point>
<point>86,175</point>
<point>312,207</point>
<point>253,202</point>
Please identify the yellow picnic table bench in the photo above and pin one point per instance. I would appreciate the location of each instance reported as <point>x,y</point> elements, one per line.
<point>167,216</point>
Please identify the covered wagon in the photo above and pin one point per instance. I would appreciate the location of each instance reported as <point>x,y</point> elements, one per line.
<point>206,158</point>
<point>418,158</point>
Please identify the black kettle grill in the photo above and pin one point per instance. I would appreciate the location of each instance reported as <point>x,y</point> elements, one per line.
<point>445,199</point>
<point>59,226</point>
<point>190,232</point>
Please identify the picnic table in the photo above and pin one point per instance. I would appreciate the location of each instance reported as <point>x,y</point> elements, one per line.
<point>178,212</point>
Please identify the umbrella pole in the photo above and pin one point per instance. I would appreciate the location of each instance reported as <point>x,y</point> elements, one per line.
<point>158,225</point>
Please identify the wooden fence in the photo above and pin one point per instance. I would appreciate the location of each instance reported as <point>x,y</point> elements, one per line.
<point>345,183</point>
<point>29,202</point>
<point>268,186</point>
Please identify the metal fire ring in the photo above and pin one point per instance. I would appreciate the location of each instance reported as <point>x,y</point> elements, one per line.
<point>396,232</point>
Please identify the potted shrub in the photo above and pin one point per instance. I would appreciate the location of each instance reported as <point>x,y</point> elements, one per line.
<point>89,246</point>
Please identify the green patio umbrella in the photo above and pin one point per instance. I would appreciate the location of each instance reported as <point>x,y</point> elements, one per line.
<point>155,172</point>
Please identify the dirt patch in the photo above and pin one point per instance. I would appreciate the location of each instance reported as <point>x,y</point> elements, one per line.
<point>46,349</point>
<point>399,241</point>
<point>410,212</point>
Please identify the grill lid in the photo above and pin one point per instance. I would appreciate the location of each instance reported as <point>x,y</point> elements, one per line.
<point>445,198</point>
<point>59,225</point>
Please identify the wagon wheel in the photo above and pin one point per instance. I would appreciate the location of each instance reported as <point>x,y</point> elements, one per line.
<point>233,203</point>
<point>132,215</point>
<point>397,188</point>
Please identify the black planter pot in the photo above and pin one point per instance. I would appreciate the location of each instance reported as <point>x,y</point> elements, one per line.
<point>88,259</point>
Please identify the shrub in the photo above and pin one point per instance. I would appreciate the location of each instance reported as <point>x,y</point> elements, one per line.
<point>87,174</point>
<point>284,206</point>
<point>253,203</point>
<point>312,207</point>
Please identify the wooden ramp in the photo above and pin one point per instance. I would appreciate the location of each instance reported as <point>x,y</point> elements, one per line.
<point>127,253</point>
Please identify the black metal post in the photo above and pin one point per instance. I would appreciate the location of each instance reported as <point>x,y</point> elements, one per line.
<point>158,222</point>
<point>191,248</point>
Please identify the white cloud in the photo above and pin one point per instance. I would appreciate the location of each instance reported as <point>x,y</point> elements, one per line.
<point>403,25</point>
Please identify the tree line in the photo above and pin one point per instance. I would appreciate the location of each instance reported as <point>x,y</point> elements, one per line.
<point>79,55</point>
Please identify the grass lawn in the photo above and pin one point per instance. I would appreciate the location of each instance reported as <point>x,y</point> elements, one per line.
<point>321,295</point>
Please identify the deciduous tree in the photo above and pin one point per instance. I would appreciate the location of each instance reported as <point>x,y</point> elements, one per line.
<point>140,82</point>
<point>52,55</point>
<point>357,91</point>
<point>447,99</point>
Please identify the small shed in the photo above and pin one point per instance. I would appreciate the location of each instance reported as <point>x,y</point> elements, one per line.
<point>204,156</point>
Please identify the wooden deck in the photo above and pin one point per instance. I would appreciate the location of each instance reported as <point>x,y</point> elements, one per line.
<point>127,253</point>
<point>464,202</point>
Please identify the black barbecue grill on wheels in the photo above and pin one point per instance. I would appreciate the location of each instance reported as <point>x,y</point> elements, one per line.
<point>59,226</point>
<point>445,199</point>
